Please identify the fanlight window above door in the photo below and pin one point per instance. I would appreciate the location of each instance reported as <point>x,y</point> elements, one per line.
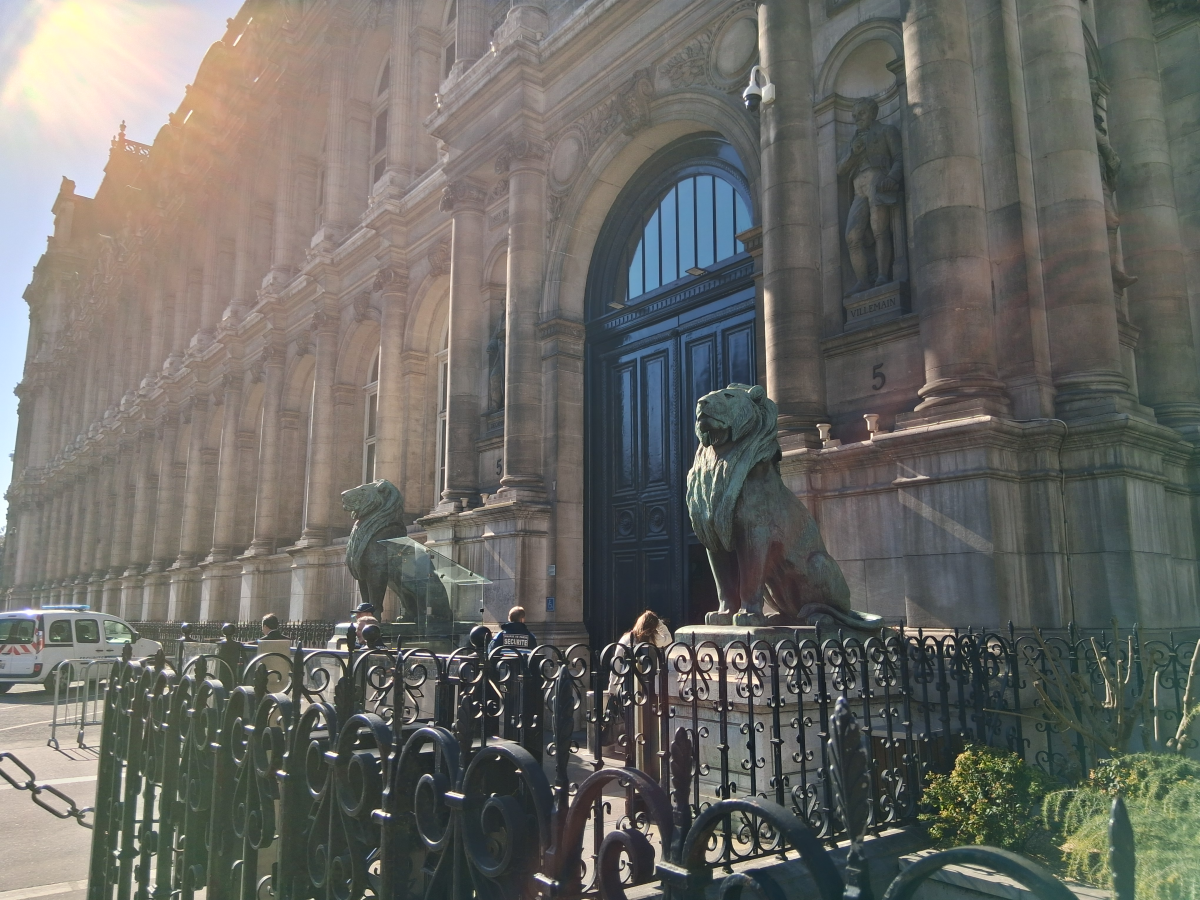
<point>692,228</point>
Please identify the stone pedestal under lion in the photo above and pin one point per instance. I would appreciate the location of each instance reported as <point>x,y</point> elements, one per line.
<point>762,542</point>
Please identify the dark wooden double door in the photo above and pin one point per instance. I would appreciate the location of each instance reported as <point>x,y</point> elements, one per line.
<point>644,381</point>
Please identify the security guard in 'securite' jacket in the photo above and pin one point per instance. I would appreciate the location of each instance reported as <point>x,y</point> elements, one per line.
<point>514,634</point>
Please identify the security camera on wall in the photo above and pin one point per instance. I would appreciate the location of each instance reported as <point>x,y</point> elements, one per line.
<point>760,91</point>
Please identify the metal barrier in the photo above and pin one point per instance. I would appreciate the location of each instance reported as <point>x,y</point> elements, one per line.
<point>78,696</point>
<point>553,772</point>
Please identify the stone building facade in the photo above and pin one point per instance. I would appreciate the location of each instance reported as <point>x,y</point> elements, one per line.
<point>493,251</point>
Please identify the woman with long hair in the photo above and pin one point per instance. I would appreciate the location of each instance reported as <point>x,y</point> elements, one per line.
<point>624,710</point>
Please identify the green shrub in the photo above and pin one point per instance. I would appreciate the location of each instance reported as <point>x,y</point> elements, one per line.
<point>1162,795</point>
<point>990,797</point>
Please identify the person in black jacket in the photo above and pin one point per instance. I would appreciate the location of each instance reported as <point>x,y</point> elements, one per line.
<point>270,628</point>
<point>514,634</point>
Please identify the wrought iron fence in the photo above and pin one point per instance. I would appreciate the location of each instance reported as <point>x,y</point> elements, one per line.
<point>312,634</point>
<point>563,773</point>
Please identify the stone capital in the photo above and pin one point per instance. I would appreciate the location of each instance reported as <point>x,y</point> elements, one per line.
<point>521,151</point>
<point>232,382</point>
<point>324,323</point>
<point>463,194</point>
<point>390,280</point>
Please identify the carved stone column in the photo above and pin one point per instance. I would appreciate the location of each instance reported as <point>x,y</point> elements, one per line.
<point>167,517</point>
<point>225,512</point>
<point>1081,317</point>
<point>336,150</point>
<point>266,507</point>
<point>389,443</point>
<point>470,35</point>
<point>143,504</point>
<point>105,522</point>
<point>464,200</point>
<point>210,299</point>
<point>122,518</point>
<point>951,269</point>
<point>790,224</point>
<point>283,234</point>
<point>400,99</point>
<point>74,530</point>
<point>1150,235</point>
<point>182,282</point>
<point>523,157</point>
<point>89,521</point>
<point>243,294</point>
<point>54,535</point>
<point>318,514</point>
<point>191,539</point>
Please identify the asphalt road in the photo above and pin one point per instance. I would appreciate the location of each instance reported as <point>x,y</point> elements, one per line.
<point>41,856</point>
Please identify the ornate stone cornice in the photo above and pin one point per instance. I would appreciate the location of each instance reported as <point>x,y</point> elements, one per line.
<point>521,150</point>
<point>462,194</point>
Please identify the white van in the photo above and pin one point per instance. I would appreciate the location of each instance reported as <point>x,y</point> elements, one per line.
<point>34,641</point>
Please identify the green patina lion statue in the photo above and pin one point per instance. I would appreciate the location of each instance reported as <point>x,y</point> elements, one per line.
<point>762,542</point>
<point>378,510</point>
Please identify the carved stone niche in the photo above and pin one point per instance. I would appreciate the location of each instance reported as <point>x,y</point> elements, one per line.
<point>865,67</point>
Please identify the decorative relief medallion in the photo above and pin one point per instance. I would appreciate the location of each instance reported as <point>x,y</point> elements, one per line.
<point>625,523</point>
<point>720,56</point>
<point>734,51</point>
<point>627,108</point>
<point>567,158</point>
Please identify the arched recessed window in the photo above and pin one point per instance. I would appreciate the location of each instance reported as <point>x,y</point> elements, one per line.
<point>370,421</point>
<point>379,132</point>
<point>692,227</point>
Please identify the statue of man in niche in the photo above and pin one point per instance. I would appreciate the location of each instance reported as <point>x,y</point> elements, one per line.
<point>1110,168</point>
<point>874,165</point>
<point>495,352</point>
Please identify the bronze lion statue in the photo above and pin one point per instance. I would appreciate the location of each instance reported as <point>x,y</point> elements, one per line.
<point>378,509</point>
<point>762,542</point>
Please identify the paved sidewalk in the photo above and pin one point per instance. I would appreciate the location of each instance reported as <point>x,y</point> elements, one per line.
<point>42,856</point>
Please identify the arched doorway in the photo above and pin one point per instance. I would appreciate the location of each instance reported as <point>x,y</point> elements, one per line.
<point>670,317</point>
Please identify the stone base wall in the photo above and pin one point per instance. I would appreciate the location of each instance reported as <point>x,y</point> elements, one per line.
<point>986,521</point>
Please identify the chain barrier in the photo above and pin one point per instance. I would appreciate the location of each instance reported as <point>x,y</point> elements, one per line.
<point>36,790</point>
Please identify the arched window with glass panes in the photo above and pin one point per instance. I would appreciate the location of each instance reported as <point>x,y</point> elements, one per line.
<point>692,227</point>
<point>379,128</point>
<point>370,421</point>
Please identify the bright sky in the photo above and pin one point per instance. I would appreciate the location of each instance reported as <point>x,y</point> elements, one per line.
<point>70,71</point>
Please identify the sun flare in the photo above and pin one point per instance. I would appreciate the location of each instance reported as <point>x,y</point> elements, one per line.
<point>90,63</point>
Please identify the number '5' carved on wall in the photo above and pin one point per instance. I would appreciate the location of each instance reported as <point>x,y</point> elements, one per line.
<point>878,379</point>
